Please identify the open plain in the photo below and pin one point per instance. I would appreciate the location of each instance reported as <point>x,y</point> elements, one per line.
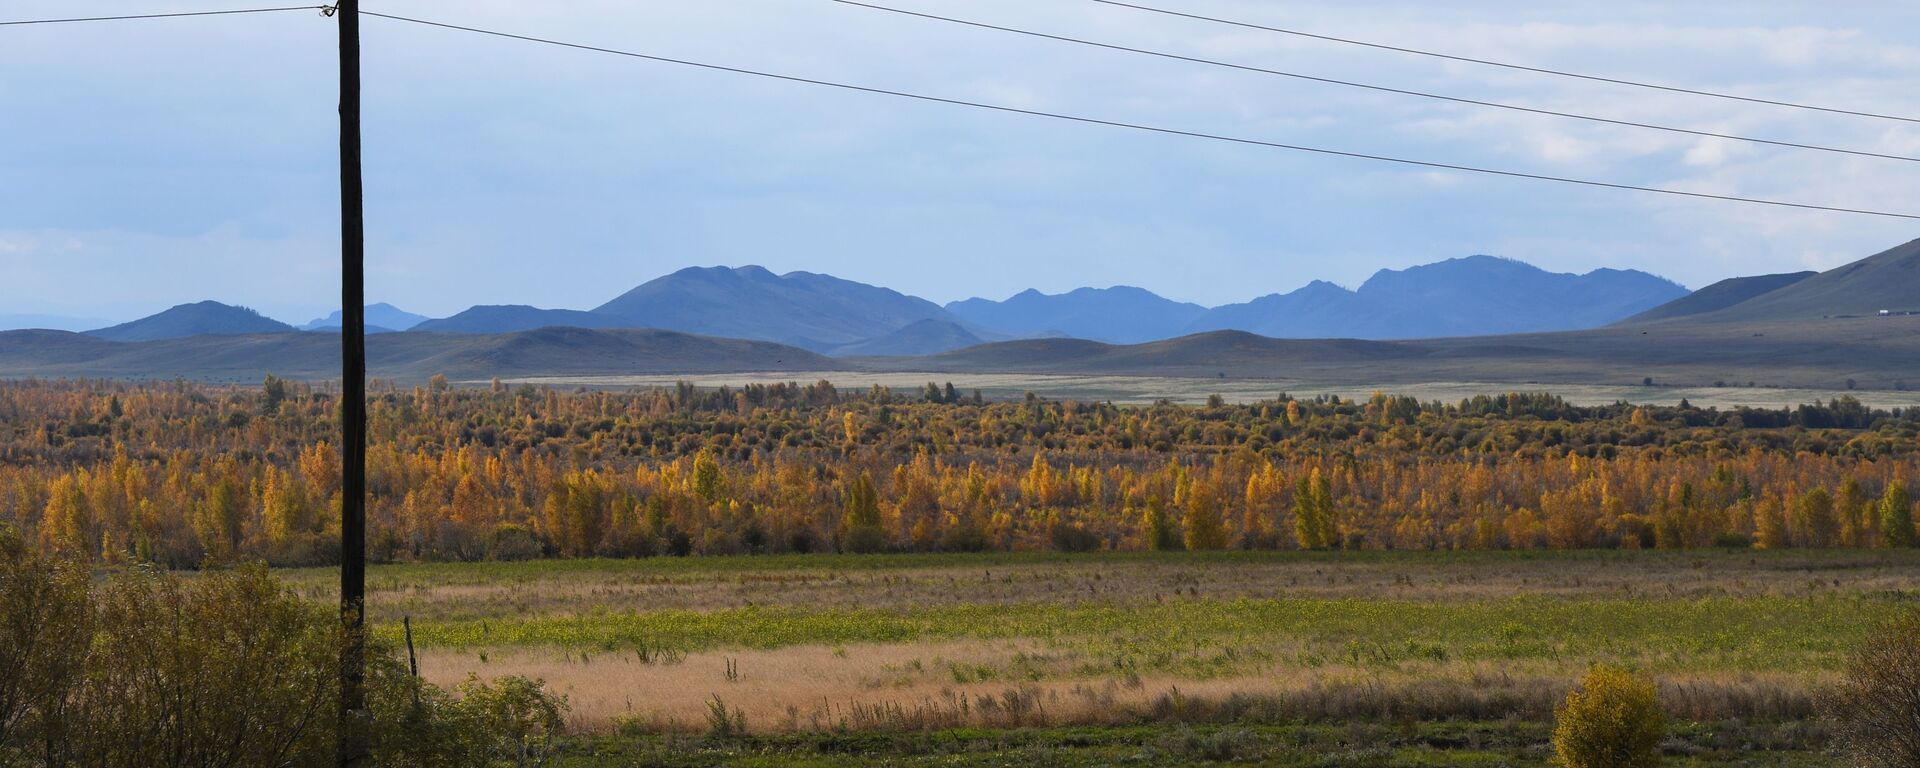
<point>922,644</point>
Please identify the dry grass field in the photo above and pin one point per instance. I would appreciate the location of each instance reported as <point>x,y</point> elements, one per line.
<point>910,643</point>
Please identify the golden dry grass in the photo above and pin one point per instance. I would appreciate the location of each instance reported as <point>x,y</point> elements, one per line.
<point>913,686</point>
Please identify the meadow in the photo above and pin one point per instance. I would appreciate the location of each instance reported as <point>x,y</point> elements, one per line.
<point>1146,656</point>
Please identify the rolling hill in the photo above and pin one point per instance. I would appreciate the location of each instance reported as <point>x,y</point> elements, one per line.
<point>1719,296</point>
<point>1873,353</point>
<point>1212,353</point>
<point>33,321</point>
<point>925,337</point>
<point>206,318</point>
<point>1889,280</point>
<point>407,356</point>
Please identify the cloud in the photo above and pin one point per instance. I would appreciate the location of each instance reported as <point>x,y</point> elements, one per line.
<point>501,171</point>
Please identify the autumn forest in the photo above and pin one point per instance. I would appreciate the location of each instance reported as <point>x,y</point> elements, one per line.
<point>184,474</point>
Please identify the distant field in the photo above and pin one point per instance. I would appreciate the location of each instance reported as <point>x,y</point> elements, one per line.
<point>1147,389</point>
<point>926,643</point>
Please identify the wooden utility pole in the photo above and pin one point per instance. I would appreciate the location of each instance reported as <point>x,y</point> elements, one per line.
<point>356,719</point>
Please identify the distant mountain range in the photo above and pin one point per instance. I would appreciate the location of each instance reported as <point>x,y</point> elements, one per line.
<point>829,315</point>
<point>1858,323</point>
<point>1473,296</point>
<point>1121,314</point>
<point>386,317</point>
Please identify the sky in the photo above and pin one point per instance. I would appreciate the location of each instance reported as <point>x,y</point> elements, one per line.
<point>146,164</point>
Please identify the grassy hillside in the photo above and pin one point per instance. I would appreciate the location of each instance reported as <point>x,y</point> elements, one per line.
<point>1888,280</point>
<point>1719,296</point>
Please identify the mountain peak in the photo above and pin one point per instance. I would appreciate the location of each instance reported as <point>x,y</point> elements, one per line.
<point>382,315</point>
<point>201,318</point>
<point>813,311</point>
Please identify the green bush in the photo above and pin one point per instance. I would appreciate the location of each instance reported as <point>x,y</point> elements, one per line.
<point>44,624</point>
<point>1613,720</point>
<point>148,668</point>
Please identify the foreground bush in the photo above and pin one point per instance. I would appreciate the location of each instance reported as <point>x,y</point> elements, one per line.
<point>222,669</point>
<point>1875,709</point>
<point>1613,720</point>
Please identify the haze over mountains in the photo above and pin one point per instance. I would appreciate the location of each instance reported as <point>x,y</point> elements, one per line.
<point>1859,323</point>
<point>829,315</point>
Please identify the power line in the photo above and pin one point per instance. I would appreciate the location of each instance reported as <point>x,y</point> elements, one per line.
<point>1135,126</point>
<point>1371,87</point>
<point>163,15</point>
<point>1521,67</point>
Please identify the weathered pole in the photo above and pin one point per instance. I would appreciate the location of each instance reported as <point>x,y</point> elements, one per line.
<point>355,718</point>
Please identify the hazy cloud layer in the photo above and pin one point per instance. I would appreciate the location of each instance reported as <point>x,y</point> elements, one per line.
<point>154,163</point>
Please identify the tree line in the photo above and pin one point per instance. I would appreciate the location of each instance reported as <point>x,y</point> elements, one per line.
<point>182,474</point>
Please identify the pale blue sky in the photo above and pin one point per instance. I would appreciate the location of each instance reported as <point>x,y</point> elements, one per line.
<point>152,163</point>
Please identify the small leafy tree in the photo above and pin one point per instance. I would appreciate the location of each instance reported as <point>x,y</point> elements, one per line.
<point>860,527</point>
<point>1205,527</point>
<point>1896,516</point>
<point>1313,525</point>
<point>1613,720</point>
<point>1162,536</point>
<point>1875,708</point>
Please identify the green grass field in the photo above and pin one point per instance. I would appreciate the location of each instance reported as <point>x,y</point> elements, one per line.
<point>1377,658</point>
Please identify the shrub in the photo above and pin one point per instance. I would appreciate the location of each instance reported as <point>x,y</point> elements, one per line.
<point>221,669</point>
<point>965,535</point>
<point>44,623</point>
<point>514,719</point>
<point>1613,720</point>
<point>1067,537</point>
<point>1875,708</point>
<point>148,668</point>
<point>864,540</point>
<point>513,542</point>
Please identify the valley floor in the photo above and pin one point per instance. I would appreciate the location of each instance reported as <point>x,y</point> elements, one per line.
<point>1136,390</point>
<point>1371,658</point>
